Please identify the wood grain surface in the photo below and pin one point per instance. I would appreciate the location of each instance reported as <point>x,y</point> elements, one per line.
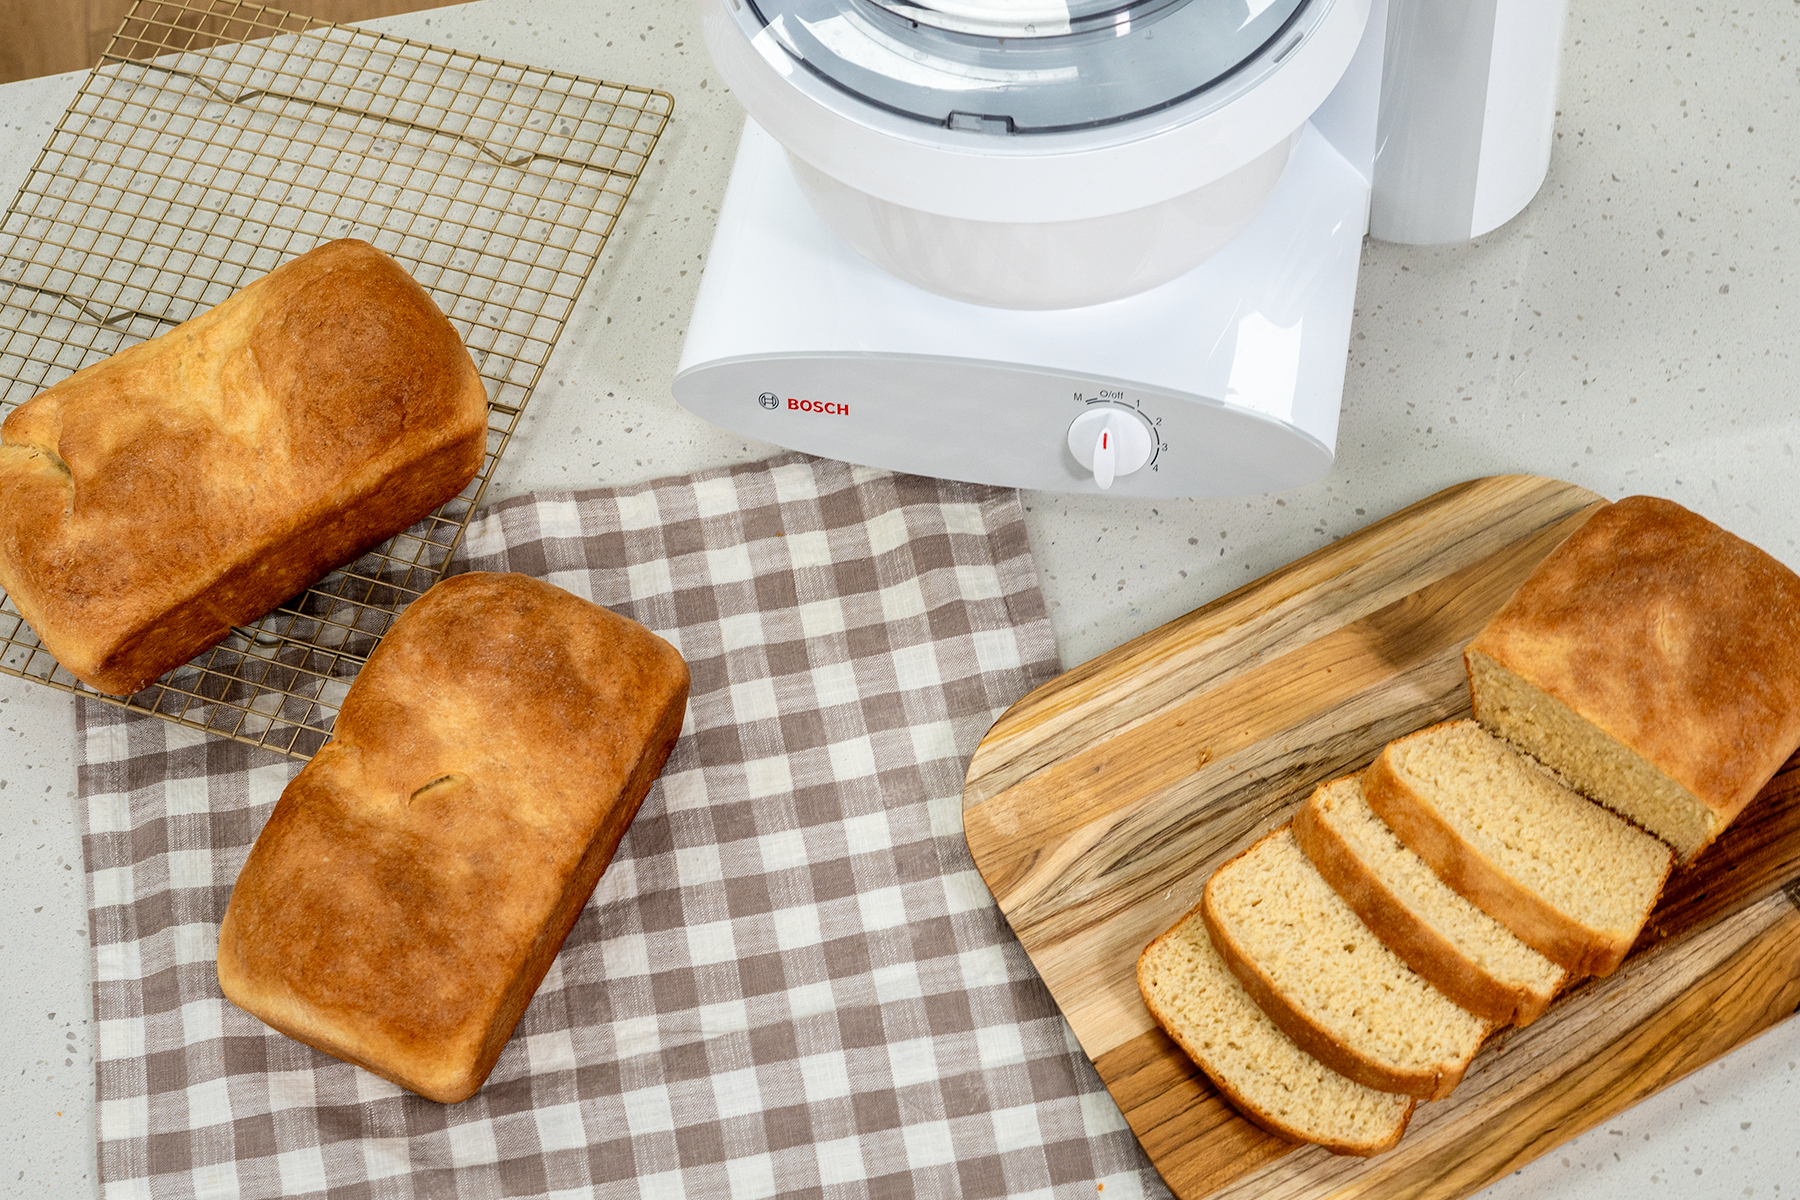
<point>46,36</point>
<point>1097,807</point>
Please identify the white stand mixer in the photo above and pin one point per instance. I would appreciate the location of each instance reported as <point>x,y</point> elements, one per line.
<point>1226,379</point>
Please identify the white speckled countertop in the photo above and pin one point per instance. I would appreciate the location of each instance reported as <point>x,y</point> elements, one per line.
<point>1633,330</point>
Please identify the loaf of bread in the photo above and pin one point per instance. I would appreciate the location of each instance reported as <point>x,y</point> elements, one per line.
<point>195,481</point>
<point>1454,946</point>
<point>1652,660</point>
<point>1326,979</point>
<point>1574,881</point>
<point>418,876</point>
<point>1205,1010</point>
<point>1650,663</point>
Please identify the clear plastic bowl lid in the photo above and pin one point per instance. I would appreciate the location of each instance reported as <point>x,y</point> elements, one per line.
<point>1029,66</point>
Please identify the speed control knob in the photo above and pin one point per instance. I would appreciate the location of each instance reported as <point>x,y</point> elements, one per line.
<point>1110,442</point>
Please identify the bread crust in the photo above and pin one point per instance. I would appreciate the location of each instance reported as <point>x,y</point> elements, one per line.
<point>418,876</point>
<point>1677,639</point>
<point>1437,959</point>
<point>1317,1041</point>
<point>1262,1119</point>
<point>1575,947</point>
<point>193,482</point>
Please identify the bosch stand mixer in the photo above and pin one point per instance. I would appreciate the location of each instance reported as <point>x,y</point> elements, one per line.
<point>1092,245</point>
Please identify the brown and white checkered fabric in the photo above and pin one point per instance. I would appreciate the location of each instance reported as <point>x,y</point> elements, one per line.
<point>791,980</point>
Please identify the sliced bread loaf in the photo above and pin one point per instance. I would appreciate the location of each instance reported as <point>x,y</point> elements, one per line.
<point>1327,981</point>
<point>1460,950</point>
<point>1205,1010</point>
<point>1574,881</point>
<point>1652,660</point>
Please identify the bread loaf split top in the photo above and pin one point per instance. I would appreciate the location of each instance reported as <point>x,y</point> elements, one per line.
<point>418,876</point>
<point>1652,660</point>
<point>195,481</point>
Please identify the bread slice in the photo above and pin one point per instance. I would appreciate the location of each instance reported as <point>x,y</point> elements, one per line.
<point>1460,950</point>
<point>1653,661</point>
<point>1327,981</point>
<point>1201,1005</point>
<point>418,876</point>
<point>1574,881</point>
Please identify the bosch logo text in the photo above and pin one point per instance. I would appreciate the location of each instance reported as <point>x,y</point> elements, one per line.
<point>814,406</point>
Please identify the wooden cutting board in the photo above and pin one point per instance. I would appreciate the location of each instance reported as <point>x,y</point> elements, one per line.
<point>1097,807</point>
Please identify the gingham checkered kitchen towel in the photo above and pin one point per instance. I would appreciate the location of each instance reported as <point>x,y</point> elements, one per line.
<point>791,980</point>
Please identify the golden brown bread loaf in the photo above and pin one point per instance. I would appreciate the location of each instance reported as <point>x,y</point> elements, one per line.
<point>417,877</point>
<point>1653,660</point>
<point>195,481</point>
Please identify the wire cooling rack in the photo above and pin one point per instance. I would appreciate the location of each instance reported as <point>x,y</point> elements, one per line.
<point>218,139</point>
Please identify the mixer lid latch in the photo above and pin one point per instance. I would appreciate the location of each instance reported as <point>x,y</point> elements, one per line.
<point>965,122</point>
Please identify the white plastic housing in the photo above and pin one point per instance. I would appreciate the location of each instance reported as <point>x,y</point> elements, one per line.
<point>1004,220</point>
<point>1468,115</point>
<point>1237,366</point>
<point>1046,264</point>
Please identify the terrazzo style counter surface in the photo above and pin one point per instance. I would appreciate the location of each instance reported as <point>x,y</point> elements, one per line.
<point>1634,330</point>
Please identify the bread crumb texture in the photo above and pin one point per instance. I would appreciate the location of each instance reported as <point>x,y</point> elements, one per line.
<point>1585,861</point>
<point>1486,943</point>
<point>1332,969</point>
<point>1593,762</point>
<point>1199,1003</point>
